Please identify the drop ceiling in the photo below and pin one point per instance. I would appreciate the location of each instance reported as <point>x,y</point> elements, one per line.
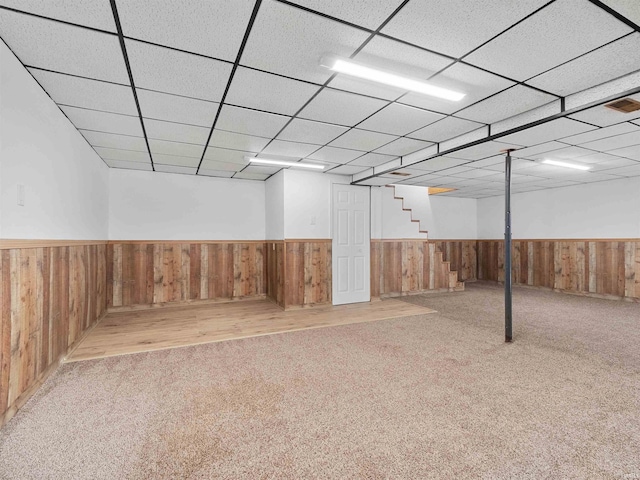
<point>197,88</point>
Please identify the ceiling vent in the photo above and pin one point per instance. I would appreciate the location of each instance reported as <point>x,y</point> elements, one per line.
<point>625,105</point>
<point>400,174</point>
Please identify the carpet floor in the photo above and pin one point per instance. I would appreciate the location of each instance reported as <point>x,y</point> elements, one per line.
<point>433,396</point>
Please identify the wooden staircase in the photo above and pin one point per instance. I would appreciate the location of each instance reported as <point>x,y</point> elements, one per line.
<point>454,285</point>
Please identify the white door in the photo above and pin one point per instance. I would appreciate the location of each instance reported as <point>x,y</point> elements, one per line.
<point>351,243</point>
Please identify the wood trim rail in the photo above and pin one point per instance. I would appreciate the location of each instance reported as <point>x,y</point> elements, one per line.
<point>10,243</point>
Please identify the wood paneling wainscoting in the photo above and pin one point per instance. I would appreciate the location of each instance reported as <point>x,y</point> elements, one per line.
<point>608,268</point>
<point>299,272</point>
<point>50,295</point>
<point>405,266</point>
<point>156,273</point>
<point>462,255</point>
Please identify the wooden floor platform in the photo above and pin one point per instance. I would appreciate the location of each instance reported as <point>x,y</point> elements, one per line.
<point>121,333</point>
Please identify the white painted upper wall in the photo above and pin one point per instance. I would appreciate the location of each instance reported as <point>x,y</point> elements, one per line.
<point>65,182</point>
<point>307,203</point>
<point>274,207</point>
<point>598,210</point>
<point>164,206</point>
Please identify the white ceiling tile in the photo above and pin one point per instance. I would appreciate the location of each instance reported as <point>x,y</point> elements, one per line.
<point>262,169</point>
<point>632,152</point>
<point>393,56</point>
<point>439,163</point>
<point>250,122</point>
<point>412,172</point>
<point>476,84</point>
<point>170,71</point>
<point>445,129</point>
<point>263,91</point>
<point>511,102</point>
<point>597,158</point>
<point>368,13</point>
<point>475,172</point>
<point>599,133</point>
<point>615,143</point>
<point>615,162</point>
<point>482,150</point>
<point>160,159</point>
<point>559,32</point>
<point>603,116</point>
<point>535,150</point>
<point>403,146</point>
<point>251,176</point>
<point>290,41</point>
<point>237,141</point>
<point>82,92</point>
<point>176,132</point>
<point>64,48</point>
<point>129,165</point>
<point>457,170</point>
<point>627,171</point>
<point>371,160</point>
<point>104,122</point>
<point>92,14</point>
<point>175,169</point>
<point>609,174</point>
<point>168,22</point>
<point>496,159</point>
<point>122,155</point>
<point>347,170</point>
<point>111,140</point>
<point>376,181</point>
<point>399,119</point>
<point>215,173</point>
<point>627,8</point>
<point>226,156</point>
<point>221,166</point>
<point>289,149</point>
<point>308,131</point>
<point>335,155</point>
<point>343,108</point>
<point>562,127</point>
<point>566,153</point>
<point>362,140</point>
<point>174,108</point>
<point>175,148</point>
<point>455,27</point>
<point>611,61</point>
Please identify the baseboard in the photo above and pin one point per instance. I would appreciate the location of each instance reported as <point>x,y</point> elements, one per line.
<point>183,303</point>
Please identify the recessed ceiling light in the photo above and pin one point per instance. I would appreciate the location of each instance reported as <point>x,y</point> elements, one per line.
<point>348,67</point>
<point>558,163</point>
<point>282,163</point>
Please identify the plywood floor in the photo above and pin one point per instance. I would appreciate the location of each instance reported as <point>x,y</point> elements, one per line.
<point>121,333</point>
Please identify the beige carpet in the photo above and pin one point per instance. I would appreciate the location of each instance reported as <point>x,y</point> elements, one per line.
<point>435,396</point>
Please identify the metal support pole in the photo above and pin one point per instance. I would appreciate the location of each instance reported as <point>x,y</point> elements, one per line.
<point>508,316</point>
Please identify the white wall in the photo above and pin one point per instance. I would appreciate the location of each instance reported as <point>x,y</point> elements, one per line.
<point>598,210</point>
<point>65,182</point>
<point>164,206</point>
<point>274,207</point>
<point>388,219</point>
<point>444,217</point>
<point>307,203</point>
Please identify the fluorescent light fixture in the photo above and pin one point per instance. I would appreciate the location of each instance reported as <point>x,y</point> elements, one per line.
<point>282,163</point>
<point>558,163</point>
<point>348,67</point>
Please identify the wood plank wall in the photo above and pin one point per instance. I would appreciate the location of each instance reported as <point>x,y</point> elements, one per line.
<point>462,254</point>
<point>274,259</point>
<point>307,272</point>
<point>601,267</point>
<point>146,273</point>
<point>49,297</point>
<point>408,266</point>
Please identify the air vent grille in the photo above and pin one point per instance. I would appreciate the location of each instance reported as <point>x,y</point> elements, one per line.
<point>626,105</point>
